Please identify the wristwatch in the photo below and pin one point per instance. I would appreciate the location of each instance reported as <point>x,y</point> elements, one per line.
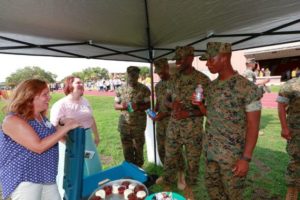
<point>246,158</point>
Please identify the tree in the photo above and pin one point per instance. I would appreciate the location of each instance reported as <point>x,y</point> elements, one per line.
<point>145,72</point>
<point>29,73</point>
<point>92,74</point>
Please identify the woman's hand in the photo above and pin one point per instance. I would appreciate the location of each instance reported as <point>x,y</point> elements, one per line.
<point>96,140</point>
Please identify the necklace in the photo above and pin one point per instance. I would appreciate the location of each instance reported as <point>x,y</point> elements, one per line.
<point>43,122</point>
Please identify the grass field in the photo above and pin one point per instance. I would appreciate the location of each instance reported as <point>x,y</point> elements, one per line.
<point>266,177</point>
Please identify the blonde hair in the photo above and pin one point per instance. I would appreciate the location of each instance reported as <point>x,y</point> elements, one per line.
<point>21,100</point>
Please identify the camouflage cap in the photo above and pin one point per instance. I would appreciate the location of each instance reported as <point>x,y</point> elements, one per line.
<point>160,65</point>
<point>133,70</point>
<point>251,61</point>
<point>214,48</point>
<point>182,52</point>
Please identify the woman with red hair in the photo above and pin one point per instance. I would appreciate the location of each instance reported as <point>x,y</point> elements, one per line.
<point>28,144</point>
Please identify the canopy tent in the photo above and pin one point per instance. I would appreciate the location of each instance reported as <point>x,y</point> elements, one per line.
<point>142,30</point>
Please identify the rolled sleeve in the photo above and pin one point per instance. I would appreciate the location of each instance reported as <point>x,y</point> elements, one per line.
<point>253,106</point>
<point>281,99</point>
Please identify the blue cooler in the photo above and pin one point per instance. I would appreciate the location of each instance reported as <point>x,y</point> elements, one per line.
<point>78,187</point>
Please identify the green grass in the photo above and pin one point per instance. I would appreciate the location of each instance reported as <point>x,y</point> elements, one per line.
<point>275,88</point>
<point>266,177</point>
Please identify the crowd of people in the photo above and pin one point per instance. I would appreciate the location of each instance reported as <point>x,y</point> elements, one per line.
<point>29,142</point>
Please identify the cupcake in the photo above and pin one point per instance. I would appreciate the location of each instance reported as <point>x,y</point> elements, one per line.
<point>100,193</point>
<point>132,186</point>
<point>141,195</point>
<point>115,188</point>
<point>127,192</point>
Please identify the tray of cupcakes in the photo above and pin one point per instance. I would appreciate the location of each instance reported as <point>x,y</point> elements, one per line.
<point>122,189</point>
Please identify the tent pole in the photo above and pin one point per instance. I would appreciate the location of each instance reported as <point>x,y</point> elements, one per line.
<point>151,52</point>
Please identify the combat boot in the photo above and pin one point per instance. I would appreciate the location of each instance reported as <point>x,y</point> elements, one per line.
<point>188,193</point>
<point>292,193</point>
<point>160,181</point>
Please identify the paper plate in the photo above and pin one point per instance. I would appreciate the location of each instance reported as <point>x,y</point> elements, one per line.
<point>165,195</point>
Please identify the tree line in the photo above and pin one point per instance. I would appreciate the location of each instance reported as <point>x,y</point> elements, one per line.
<point>88,74</point>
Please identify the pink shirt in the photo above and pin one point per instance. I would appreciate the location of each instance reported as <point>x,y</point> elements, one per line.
<point>66,108</point>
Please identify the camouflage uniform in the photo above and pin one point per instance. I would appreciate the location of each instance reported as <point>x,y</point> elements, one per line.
<point>161,126</point>
<point>250,75</point>
<point>290,94</point>
<point>184,132</point>
<point>227,103</point>
<point>132,124</point>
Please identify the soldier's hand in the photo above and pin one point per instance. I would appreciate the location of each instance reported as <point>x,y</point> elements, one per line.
<point>241,168</point>
<point>134,106</point>
<point>124,105</point>
<point>160,116</point>
<point>286,134</point>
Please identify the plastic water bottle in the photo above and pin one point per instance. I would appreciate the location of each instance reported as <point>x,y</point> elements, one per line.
<point>129,107</point>
<point>199,93</point>
<point>151,113</point>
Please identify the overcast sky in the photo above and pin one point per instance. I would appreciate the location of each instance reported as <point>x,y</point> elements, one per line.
<point>62,67</point>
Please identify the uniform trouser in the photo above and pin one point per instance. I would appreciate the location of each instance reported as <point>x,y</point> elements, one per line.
<point>133,140</point>
<point>183,133</point>
<point>161,131</point>
<point>293,168</point>
<point>220,182</point>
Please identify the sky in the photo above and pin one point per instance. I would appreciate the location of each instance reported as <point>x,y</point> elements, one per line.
<point>62,67</point>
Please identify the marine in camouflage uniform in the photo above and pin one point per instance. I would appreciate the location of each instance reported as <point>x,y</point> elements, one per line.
<point>249,73</point>
<point>289,115</point>
<point>132,124</point>
<point>185,129</point>
<point>230,99</point>
<point>162,111</point>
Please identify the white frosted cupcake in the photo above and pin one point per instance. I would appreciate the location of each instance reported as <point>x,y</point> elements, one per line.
<point>141,194</point>
<point>127,192</point>
<point>132,186</point>
<point>115,188</point>
<point>100,193</point>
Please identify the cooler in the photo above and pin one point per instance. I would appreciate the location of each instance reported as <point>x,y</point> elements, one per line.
<point>76,187</point>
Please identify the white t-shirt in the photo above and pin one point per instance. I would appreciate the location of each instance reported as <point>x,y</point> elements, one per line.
<point>66,108</point>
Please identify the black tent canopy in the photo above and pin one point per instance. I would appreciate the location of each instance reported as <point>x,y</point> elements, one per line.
<point>142,30</point>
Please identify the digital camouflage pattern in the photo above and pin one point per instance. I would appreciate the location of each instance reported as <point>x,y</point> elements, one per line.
<point>161,89</point>
<point>216,175</point>
<point>214,48</point>
<point>160,65</point>
<point>292,175</point>
<point>225,136</point>
<point>250,75</point>
<point>182,52</point>
<point>185,132</point>
<point>132,124</point>
<point>291,91</point>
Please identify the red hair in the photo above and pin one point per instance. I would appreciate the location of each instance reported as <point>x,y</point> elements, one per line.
<point>21,100</point>
<point>68,88</point>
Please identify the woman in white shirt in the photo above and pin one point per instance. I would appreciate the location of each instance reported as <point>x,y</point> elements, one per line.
<point>75,106</point>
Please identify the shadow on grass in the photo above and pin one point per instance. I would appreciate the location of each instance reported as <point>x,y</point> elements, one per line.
<point>266,119</point>
<point>265,180</point>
